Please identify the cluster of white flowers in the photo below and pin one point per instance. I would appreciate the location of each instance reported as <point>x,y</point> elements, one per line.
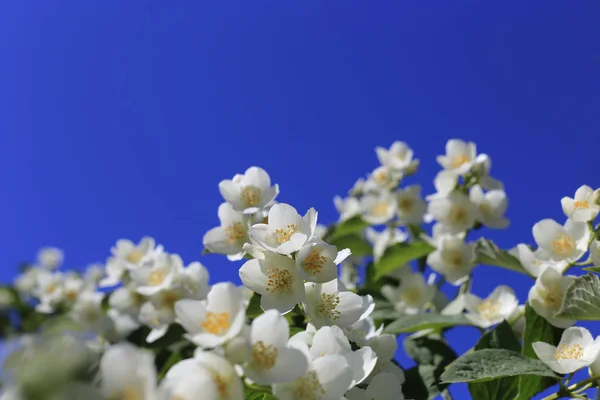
<point>299,328</point>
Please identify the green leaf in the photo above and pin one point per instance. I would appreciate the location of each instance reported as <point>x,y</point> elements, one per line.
<point>352,225</point>
<point>489,254</point>
<point>537,329</point>
<point>355,242</point>
<point>582,299</point>
<point>399,254</point>
<point>432,355</point>
<point>171,360</point>
<point>592,269</point>
<point>254,309</point>
<point>417,322</point>
<point>251,394</point>
<point>485,365</point>
<point>501,337</point>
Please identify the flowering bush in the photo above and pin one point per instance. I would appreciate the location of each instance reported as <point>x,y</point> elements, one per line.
<point>320,308</point>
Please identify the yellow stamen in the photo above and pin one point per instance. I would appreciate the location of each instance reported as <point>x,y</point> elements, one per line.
<point>488,309</point>
<point>569,352</point>
<point>216,323</point>
<point>135,256</point>
<point>327,307</point>
<point>380,209</point>
<point>251,196</point>
<point>460,159</point>
<point>581,204</point>
<point>308,387</point>
<point>280,280</point>
<point>156,277</point>
<point>563,244</point>
<point>235,232</point>
<point>314,262</point>
<point>264,356</point>
<point>284,235</point>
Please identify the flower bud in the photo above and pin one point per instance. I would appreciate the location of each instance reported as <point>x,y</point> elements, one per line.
<point>596,197</point>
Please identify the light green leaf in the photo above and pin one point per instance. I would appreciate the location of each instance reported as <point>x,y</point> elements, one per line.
<point>399,254</point>
<point>582,299</point>
<point>537,329</point>
<point>592,269</point>
<point>489,254</point>
<point>350,226</point>
<point>485,365</point>
<point>355,242</point>
<point>417,322</point>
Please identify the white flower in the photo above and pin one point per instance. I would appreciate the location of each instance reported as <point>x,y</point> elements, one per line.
<point>399,157</point>
<point>50,257</point>
<point>126,300</point>
<point>159,312</point>
<point>384,386</point>
<point>453,258</point>
<point>531,261</point>
<point>158,276</point>
<point>230,236</point>
<point>128,373</point>
<point>87,311</point>
<point>577,349</point>
<point>561,243</point>
<point>330,304</point>
<point>194,280</point>
<point>362,330</point>
<point>249,192</point>
<point>128,256</point>
<point>498,306</point>
<point>72,286</point>
<point>276,279</point>
<point>207,376</point>
<point>286,231</point>
<point>49,290</point>
<point>317,261</point>
<point>331,340</point>
<point>210,324</point>
<point>595,252</point>
<point>546,296</point>
<point>411,207</point>
<point>26,283</point>
<point>455,212</point>
<point>492,206</point>
<point>459,156</point>
<point>582,207</point>
<point>272,360</point>
<point>378,208</point>
<point>93,275</point>
<point>481,168</point>
<point>328,378</point>
<point>411,295</point>
<point>384,178</point>
<point>444,182</point>
<point>384,239</point>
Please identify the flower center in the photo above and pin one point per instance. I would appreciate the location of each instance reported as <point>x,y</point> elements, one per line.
<point>135,256</point>
<point>314,262</point>
<point>308,387</point>
<point>284,235</point>
<point>454,258</point>
<point>563,244</point>
<point>381,177</point>
<point>380,209</point>
<point>581,204</point>
<point>156,277</point>
<point>221,386</point>
<point>51,288</point>
<point>460,159</point>
<point>552,296</point>
<point>406,204</point>
<point>280,280</point>
<point>235,232</point>
<point>169,299</point>
<point>569,352</point>
<point>128,393</point>
<point>411,295</point>
<point>327,307</point>
<point>251,195</point>
<point>458,214</point>
<point>71,295</point>
<point>488,309</point>
<point>216,323</point>
<point>486,209</point>
<point>264,356</point>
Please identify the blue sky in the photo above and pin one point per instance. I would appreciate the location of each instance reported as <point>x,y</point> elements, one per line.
<point>118,119</point>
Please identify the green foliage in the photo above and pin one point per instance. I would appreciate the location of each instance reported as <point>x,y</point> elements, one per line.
<point>537,329</point>
<point>399,254</point>
<point>501,337</point>
<point>350,226</point>
<point>432,354</point>
<point>355,242</point>
<point>582,299</point>
<point>489,254</point>
<point>488,364</point>
<point>418,322</point>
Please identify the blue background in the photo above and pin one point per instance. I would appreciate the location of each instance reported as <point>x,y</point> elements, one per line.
<point>118,119</point>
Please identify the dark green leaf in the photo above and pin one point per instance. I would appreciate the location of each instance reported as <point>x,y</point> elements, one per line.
<point>399,254</point>
<point>355,242</point>
<point>417,322</point>
<point>430,350</point>
<point>537,329</point>
<point>485,365</point>
<point>490,254</point>
<point>501,337</point>
<point>582,299</point>
<point>172,359</point>
<point>254,309</point>
<point>592,269</point>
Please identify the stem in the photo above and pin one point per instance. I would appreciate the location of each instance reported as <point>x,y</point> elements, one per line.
<point>570,391</point>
